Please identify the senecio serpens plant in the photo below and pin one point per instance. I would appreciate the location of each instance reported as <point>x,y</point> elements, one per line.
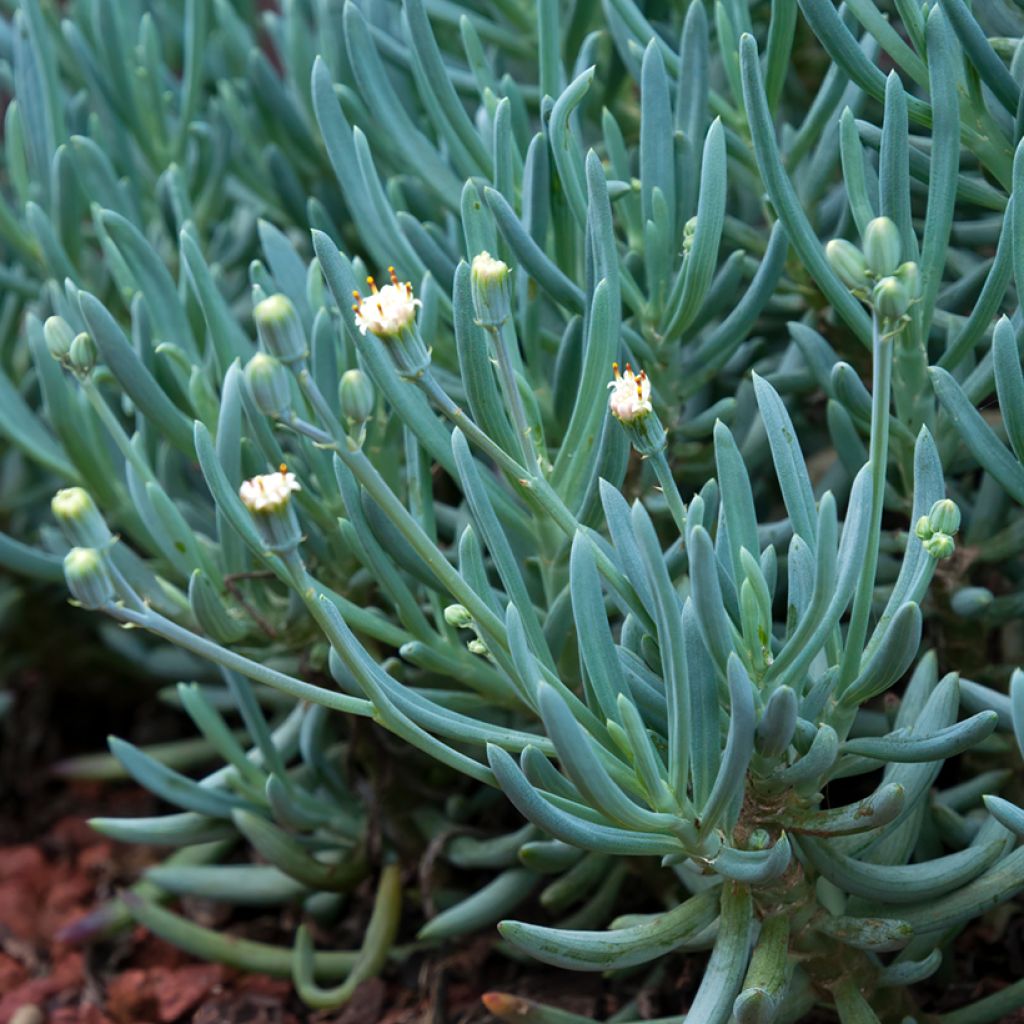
<point>705,733</point>
<point>416,503</point>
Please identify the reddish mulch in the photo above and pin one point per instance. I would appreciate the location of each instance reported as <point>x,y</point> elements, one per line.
<point>54,882</point>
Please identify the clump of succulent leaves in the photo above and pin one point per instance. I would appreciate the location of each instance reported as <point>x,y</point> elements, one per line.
<point>621,411</point>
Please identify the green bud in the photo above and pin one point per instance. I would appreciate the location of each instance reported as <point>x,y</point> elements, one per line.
<point>79,518</point>
<point>939,546</point>
<point>58,335</point>
<point>882,246</point>
<point>890,298</point>
<point>944,517</point>
<point>478,647</point>
<point>848,262</point>
<point>87,578</point>
<point>355,396</point>
<point>689,230</point>
<point>923,529</point>
<point>82,354</point>
<point>909,275</point>
<point>759,839</point>
<point>491,298</point>
<point>269,385</point>
<point>458,616</point>
<point>280,329</point>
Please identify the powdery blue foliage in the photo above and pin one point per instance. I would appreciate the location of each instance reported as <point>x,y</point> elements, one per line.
<point>312,318</point>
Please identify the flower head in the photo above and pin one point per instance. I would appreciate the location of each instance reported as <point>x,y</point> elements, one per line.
<point>487,269</point>
<point>87,578</point>
<point>280,328</point>
<point>269,492</point>
<point>385,311</point>
<point>80,519</point>
<point>631,395</point>
<point>490,288</point>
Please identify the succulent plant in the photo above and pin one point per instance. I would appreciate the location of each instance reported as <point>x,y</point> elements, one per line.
<point>559,506</point>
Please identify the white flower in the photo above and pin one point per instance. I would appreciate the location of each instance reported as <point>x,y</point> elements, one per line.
<point>385,311</point>
<point>268,492</point>
<point>487,269</point>
<point>631,395</point>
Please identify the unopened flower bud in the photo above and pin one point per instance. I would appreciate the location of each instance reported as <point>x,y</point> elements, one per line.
<point>87,578</point>
<point>944,517</point>
<point>882,246</point>
<point>936,529</point>
<point>457,616</point>
<point>79,518</point>
<point>82,354</point>
<point>909,275</point>
<point>848,262</point>
<point>355,396</point>
<point>890,298</point>
<point>58,335</point>
<point>280,329</point>
<point>478,647</point>
<point>491,298</point>
<point>940,546</point>
<point>270,385</point>
<point>760,839</point>
<point>689,231</point>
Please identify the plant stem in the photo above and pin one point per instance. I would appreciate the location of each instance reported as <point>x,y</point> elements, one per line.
<point>510,386</point>
<point>155,623</point>
<point>663,472</point>
<point>117,432</point>
<point>882,346</point>
<point>437,394</point>
<point>536,488</point>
